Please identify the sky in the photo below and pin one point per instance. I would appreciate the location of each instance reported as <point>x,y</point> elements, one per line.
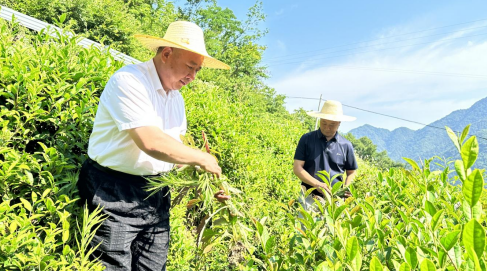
<point>415,60</point>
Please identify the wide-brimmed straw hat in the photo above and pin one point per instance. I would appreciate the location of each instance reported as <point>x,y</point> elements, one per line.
<point>331,110</point>
<point>184,35</point>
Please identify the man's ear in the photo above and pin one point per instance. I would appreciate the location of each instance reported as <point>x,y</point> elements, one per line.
<point>166,52</point>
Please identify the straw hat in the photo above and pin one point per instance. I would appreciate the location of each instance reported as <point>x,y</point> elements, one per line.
<point>184,35</point>
<point>331,110</point>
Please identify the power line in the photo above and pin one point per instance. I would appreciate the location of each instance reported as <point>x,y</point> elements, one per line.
<point>385,115</point>
<point>366,51</point>
<point>345,45</point>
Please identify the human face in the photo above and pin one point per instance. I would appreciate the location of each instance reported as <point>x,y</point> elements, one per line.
<point>180,68</point>
<point>329,128</point>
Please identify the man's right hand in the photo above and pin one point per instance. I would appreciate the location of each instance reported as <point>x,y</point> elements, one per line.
<point>209,163</point>
<point>324,186</point>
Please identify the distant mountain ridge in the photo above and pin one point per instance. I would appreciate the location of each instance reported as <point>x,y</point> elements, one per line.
<point>428,142</point>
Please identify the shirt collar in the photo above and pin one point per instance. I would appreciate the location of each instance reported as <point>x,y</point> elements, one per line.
<point>156,82</point>
<point>154,78</point>
<point>322,136</point>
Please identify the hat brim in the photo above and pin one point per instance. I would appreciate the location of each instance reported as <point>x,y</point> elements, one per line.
<point>153,43</point>
<point>320,115</point>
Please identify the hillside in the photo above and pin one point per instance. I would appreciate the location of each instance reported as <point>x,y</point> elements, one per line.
<point>428,142</point>
<point>396,219</point>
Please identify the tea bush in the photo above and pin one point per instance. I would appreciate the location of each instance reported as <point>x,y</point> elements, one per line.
<point>398,219</point>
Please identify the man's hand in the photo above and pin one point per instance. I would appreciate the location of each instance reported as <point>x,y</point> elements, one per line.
<point>325,187</point>
<point>221,197</point>
<point>210,164</point>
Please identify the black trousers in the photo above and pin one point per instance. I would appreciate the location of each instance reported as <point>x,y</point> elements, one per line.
<point>135,235</point>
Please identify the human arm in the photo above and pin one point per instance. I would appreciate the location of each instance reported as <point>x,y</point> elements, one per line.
<point>159,145</point>
<point>305,177</point>
<point>350,176</point>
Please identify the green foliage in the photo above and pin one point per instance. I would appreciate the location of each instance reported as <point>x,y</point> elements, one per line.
<point>109,22</point>
<point>397,219</point>
<point>49,90</point>
<point>46,110</point>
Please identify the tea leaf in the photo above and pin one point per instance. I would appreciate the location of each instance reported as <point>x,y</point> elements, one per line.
<point>405,267</point>
<point>338,211</point>
<point>412,163</point>
<point>427,265</point>
<point>356,263</point>
<point>453,138</point>
<point>208,248</point>
<point>352,248</point>
<point>472,187</point>
<point>460,169</point>
<point>429,207</point>
<point>474,237</point>
<point>436,218</point>
<point>450,239</point>
<point>375,265</point>
<point>411,257</point>
<point>469,152</point>
<point>26,204</point>
<point>464,133</point>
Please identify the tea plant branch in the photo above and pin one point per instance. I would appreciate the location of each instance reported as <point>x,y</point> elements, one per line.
<point>200,235</point>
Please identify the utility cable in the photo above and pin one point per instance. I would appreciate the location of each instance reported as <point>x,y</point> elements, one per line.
<point>385,115</point>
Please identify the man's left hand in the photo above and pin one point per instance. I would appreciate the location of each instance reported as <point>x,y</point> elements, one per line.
<point>221,197</point>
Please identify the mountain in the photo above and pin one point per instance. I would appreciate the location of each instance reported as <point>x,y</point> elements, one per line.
<point>429,141</point>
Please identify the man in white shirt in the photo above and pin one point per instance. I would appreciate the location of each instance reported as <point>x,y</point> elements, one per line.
<point>135,134</point>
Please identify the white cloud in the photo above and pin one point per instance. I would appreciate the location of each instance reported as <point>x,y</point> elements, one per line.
<point>403,84</point>
<point>280,12</point>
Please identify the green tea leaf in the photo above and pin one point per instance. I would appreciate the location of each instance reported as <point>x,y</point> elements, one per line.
<point>356,263</point>
<point>460,169</point>
<point>436,219</point>
<point>26,204</point>
<point>427,265</point>
<point>411,257</point>
<point>412,163</point>
<point>450,239</point>
<point>405,267</point>
<point>453,137</point>
<point>323,266</point>
<point>375,265</point>
<point>338,211</point>
<point>474,236</point>
<point>352,248</point>
<point>464,133</point>
<point>473,256</point>
<point>429,207</point>
<point>472,187</point>
<point>457,255</point>
<point>470,151</point>
<point>442,257</point>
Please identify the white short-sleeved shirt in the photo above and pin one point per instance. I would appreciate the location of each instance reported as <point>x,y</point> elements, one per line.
<point>134,97</point>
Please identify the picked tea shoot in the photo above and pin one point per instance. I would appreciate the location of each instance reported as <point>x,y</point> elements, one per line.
<point>204,183</point>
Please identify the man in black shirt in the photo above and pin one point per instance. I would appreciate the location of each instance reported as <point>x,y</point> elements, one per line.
<point>325,150</point>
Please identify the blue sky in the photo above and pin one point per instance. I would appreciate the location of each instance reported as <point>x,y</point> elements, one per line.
<point>418,60</point>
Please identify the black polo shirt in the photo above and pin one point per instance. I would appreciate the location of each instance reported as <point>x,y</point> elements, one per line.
<point>334,156</point>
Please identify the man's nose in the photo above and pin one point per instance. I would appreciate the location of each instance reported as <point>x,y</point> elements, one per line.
<point>192,75</point>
